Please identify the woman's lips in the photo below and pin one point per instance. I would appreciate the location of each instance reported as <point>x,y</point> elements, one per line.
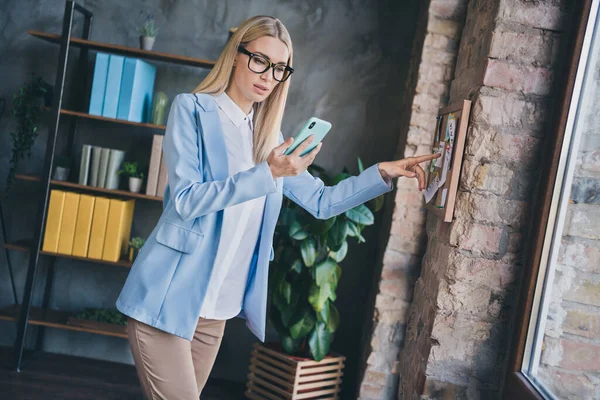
<point>261,89</point>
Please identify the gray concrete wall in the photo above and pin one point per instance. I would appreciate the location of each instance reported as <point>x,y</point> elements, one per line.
<point>351,59</point>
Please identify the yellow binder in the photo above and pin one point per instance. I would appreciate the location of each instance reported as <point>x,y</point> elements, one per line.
<point>53,220</point>
<point>84,225</point>
<point>119,224</point>
<point>98,231</point>
<point>67,226</point>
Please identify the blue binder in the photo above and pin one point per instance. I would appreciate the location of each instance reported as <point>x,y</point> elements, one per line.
<point>137,88</point>
<point>113,86</point>
<point>99,84</point>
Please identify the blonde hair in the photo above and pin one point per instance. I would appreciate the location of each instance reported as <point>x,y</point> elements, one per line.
<point>267,114</point>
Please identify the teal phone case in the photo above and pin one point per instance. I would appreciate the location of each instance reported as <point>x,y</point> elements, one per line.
<point>319,129</point>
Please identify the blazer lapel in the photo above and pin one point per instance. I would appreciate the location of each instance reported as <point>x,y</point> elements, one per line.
<point>214,144</point>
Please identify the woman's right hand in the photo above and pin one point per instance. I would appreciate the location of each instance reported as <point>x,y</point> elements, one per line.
<point>293,164</point>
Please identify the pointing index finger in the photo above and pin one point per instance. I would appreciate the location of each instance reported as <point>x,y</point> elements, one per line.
<point>427,157</point>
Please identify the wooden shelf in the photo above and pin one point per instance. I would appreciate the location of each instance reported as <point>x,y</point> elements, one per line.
<point>72,185</point>
<point>127,51</point>
<point>113,120</point>
<point>58,319</point>
<point>25,245</point>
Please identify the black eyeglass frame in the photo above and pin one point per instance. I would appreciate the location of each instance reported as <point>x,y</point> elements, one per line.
<point>270,64</point>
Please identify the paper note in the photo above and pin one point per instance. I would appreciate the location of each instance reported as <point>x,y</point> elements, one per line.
<point>431,189</point>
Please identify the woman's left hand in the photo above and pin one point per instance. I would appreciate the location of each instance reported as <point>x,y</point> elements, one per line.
<point>408,167</point>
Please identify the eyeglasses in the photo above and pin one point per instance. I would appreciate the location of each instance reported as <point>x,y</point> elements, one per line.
<point>259,64</point>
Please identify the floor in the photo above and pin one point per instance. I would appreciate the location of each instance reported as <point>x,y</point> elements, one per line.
<point>56,376</point>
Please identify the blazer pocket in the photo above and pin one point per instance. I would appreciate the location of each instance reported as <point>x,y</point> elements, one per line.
<point>177,237</point>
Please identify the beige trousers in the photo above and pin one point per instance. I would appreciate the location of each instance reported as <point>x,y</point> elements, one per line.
<point>171,367</point>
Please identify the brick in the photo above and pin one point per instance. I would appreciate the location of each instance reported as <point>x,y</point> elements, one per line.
<point>431,57</point>
<point>444,27</point>
<point>510,111</point>
<point>396,259</point>
<point>423,120</point>
<point>517,151</point>
<point>459,338</point>
<point>478,238</point>
<point>370,391</point>
<point>385,302</point>
<point>449,9</point>
<point>582,221</point>
<point>376,378</point>
<point>580,356</point>
<point>564,385</point>
<point>586,190</point>
<point>406,245</point>
<point>439,89</point>
<point>530,47</point>
<point>491,209</point>
<point>441,42</point>
<point>581,254</point>
<point>493,178</point>
<point>583,323</point>
<point>400,288</point>
<point>495,274</point>
<point>417,135</point>
<point>534,14</point>
<point>584,291</point>
<point>589,163</point>
<point>518,78</point>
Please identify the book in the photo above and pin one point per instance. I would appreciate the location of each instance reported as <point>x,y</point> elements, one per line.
<point>162,177</point>
<point>103,167</point>
<point>115,159</point>
<point>67,226</point>
<point>99,84</point>
<point>53,220</point>
<point>137,88</point>
<point>98,229</point>
<point>154,167</point>
<point>83,226</point>
<point>95,165</point>
<point>120,216</point>
<point>113,86</point>
<point>84,165</point>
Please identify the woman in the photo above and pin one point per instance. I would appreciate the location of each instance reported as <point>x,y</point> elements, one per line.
<point>207,259</point>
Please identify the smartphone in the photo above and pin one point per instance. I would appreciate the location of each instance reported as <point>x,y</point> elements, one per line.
<point>314,126</point>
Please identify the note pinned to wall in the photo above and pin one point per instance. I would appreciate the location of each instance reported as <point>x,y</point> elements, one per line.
<point>444,172</point>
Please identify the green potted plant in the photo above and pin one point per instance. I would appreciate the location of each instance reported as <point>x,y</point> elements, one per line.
<point>62,165</point>
<point>99,318</point>
<point>148,31</point>
<point>27,102</point>
<point>136,176</point>
<point>135,244</point>
<point>303,279</point>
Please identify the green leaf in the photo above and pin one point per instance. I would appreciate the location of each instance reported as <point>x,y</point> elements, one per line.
<point>323,315</point>
<point>322,226</point>
<point>319,341</point>
<point>290,345</point>
<point>289,310</point>
<point>340,177</point>
<point>297,266</point>
<point>302,324</point>
<point>377,203</point>
<point>353,230</point>
<point>337,234</point>
<point>318,295</point>
<point>308,249</point>
<point>361,214</point>
<point>325,269</point>
<point>361,168</point>
<point>334,318</point>
<point>339,255</point>
<point>286,290</point>
<point>297,231</point>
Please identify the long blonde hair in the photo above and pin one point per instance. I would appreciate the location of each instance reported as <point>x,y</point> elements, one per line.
<point>267,114</point>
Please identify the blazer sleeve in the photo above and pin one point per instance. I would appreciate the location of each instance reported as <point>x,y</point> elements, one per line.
<point>192,197</point>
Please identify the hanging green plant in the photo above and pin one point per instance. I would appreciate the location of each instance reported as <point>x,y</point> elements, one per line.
<point>107,315</point>
<point>27,102</point>
<point>305,272</point>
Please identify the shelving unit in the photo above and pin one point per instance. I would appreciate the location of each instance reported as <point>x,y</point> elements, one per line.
<point>25,314</point>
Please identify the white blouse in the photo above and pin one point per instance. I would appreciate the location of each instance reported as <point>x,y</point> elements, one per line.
<point>225,293</point>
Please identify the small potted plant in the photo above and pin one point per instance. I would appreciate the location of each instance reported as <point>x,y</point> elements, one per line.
<point>147,31</point>
<point>62,166</point>
<point>135,244</point>
<point>136,176</point>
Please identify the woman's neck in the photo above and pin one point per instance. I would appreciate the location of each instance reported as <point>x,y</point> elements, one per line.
<point>239,99</point>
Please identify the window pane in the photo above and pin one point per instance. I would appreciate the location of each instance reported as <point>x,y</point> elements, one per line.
<point>564,343</point>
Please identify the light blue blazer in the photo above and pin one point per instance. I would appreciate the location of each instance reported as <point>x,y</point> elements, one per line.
<point>168,280</point>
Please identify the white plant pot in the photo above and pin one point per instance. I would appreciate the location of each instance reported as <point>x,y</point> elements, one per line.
<point>61,173</point>
<point>135,184</point>
<point>146,42</point>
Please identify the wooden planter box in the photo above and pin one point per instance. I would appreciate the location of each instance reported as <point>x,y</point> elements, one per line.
<point>274,375</point>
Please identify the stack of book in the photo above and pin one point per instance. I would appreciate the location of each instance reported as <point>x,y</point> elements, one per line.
<point>157,170</point>
<point>88,226</point>
<point>122,88</point>
<point>100,166</point>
